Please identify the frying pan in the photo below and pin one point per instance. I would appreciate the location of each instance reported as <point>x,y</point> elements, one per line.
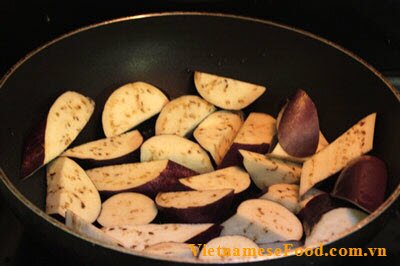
<point>164,49</point>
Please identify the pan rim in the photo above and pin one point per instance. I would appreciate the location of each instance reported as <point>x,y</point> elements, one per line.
<point>16,193</point>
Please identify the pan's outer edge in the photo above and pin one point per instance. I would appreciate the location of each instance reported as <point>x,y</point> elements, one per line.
<point>61,226</point>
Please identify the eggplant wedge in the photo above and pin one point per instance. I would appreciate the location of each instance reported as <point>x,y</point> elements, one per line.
<point>228,178</point>
<point>353,143</point>
<point>363,183</point>
<point>228,247</point>
<point>147,178</point>
<point>182,115</point>
<point>265,171</point>
<point>177,149</point>
<point>263,221</point>
<point>312,212</point>
<point>127,209</point>
<point>130,105</point>
<point>285,194</point>
<point>298,127</point>
<point>107,151</point>
<point>172,250</point>
<point>334,224</point>
<point>217,132</point>
<point>194,206</point>
<point>280,153</point>
<point>226,93</point>
<point>312,193</point>
<point>139,237</point>
<point>83,228</point>
<point>68,187</point>
<point>255,135</point>
<point>65,120</point>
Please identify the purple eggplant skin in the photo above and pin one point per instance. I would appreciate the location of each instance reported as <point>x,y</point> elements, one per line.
<point>167,181</point>
<point>33,153</point>
<point>314,209</point>
<point>233,156</point>
<point>214,212</point>
<point>205,236</point>
<point>298,129</point>
<point>363,182</point>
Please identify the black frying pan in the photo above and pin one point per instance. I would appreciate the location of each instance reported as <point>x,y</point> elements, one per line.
<point>163,50</point>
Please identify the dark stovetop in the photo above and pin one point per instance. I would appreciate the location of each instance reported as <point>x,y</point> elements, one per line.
<point>369,28</point>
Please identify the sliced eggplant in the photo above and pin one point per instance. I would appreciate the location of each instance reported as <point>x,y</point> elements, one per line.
<point>298,129</point>
<point>263,221</point>
<point>147,178</point>
<point>68,187</point>
<point>279,152</point>
<point>66,118</point>
<point>177,149</point>
<point>195,206</point>
<point>127,209</point>
<point>226,93</point>
<point>266,171</point>
<point>314,209</point>
<point>217,132</point>
<point>228,178</point>
<point>80,226</point>
<point>108,150</point>
<point>130,105</point>
<point>139,237</point>
<point>363,182</point>
<point>333,225</point>
<point>285,194</point>
<point>354,142</point>
<point>255,135</point>
<point>229,248</point>
<point>309,196</point>
<point>173,250</point>
<point>181,115</point>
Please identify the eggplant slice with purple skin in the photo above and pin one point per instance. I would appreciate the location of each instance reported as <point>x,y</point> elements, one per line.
<point>226,93</point>
<point>195,206</point>
<point>69,188</point>
<point>177,149</point>
<point>255,135</point>
<point>130,105</point>
<point>65,120</point>
<point>147,178</point>
<point>217,132</point>
<point>228,178</point>
<point>107,151</point>
<point>280,153</point>
<point>298,126</point>
<point>127,209</point>
<point>363,182</point>
<point>311,213</point>
<point>182,115</point>
<point>355,142</point>
<point>333,225</point>
<point>139,237</point>
<point>263,221</point>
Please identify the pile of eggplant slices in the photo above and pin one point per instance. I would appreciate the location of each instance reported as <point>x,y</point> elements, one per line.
<point>209,175</point>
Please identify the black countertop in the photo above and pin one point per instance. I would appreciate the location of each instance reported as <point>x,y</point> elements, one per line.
<point>368,28</point>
